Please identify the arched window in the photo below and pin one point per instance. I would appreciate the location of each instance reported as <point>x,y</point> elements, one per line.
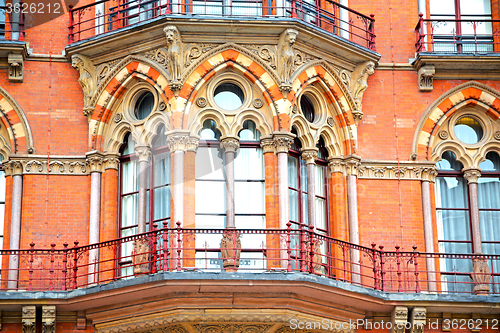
<point>321,188</point>
<point>158,191</point>
<point>2,203</point>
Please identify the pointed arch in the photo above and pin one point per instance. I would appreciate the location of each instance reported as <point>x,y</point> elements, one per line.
<point>151,126</point>
<point>303,132</point>
<point>467,94</point>
<point>260,121</point>
<point>332,141</point>
<point>16,124</point>
<point>455,148</point>
<point>116,137</point>
<point>213,114</point>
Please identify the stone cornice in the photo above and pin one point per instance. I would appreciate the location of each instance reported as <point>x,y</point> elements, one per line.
<point>43,164</point>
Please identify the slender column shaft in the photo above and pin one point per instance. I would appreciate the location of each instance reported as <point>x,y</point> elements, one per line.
<point>352,204</point>
<point>476,228</point>
<point>15,229</point>
<point>230,217</point>
<point>283,189</point>
<point>94,223</point>
<point>428,234</point>
<point>311,194</point>
<point>143,180</point>
<point>178,189</point>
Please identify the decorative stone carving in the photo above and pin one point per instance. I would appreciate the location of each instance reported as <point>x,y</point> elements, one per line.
<point>87,81</point>
<point>230,248</point>
<point>443,135</point>
<point>359,84</point>
<point>16,67</point>
<point>286,59</point>
<point>13,168</point>
<point>481,276</point>
<point>330,121</point>
<point>48,319</point>
<point>174,55</point>
<point>496,135</point>
<point>425,78</point>
<point>143,152</point>
<point>310,155</point>
<point>267,144</point>
<point>232,328</point>
<point>230,144</point>
<point>418,319</point>
<point>257,103</point>
<point>29,319</point>
<point>177,140</point>
<point>194,51</point>
<point>266,53</point>
<point>118,117</point>
<point>111,161</point>
<point>472,175</point>
<point>159,56</point>
<point>192,143</point>
<point>352,163</point>
<point>399,317</point>
<point>95,161</point>
<point>201,102</point>
<point>140,256</point>
<point>283,141</point>
<point>336,164</point>
<point>295,109</point>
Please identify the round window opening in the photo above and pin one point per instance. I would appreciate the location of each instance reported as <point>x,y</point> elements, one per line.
<point>144,105</point>
<point>229,96</point>
<point>468,130</point>
<point>307,108</point>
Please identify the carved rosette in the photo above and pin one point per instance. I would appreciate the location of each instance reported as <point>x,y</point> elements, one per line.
<point>472,175</point>
<point>283,141</point>
<point>310,155</point>
<point>418,319</point>
<point>267,144</point>
<point>399,317</point>
<point>143,152</point>
<point>29,319</point>
<point>95,161</point>
<point>177,141</point>
<point>140,256</point>
<point>230,144</point>
<point>230,248</point>
<point>48,319</point>
<point>481,276</point>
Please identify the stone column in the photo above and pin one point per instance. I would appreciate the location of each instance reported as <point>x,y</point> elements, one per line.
<point>143,152</point>
<point>230,144</point>
<point>428,176</point>
<point>310,155</point>
<point>95,161</point>
<point>352,164</point>
<point>177,142</point>
<point>15,169</point>
<point>472,175</point>
<point>283,142</point>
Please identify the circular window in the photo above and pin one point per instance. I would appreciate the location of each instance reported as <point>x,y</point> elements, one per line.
<point>307,108</point>
<point>144,105</point>
<point>229,96</point>
<point>468,130</point>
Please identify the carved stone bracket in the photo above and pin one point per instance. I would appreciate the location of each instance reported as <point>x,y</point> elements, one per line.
<point>481,276</point>
<point>283,141</point>
<point>230,247</point>
<point>310,155</point>
<point>41,164</point>
<point>48,319</point>
<point>87,81</point>
<point>95,161</point>
<point>16,67</point>
<point>29,319</point>
<point>426,78</point>
<point>418,319</point>
<point>359,85</point>
<point>399,317</point>
<point>472,175</point>
<point>230,144</point>
<point>267,144</point>
<point>337,164</point>
<point>286,55</point>
<point>13,168</point>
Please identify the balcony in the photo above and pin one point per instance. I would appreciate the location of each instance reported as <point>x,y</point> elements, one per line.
<point>104,17</point>
<point>288,251</point>
<point>457,49</point>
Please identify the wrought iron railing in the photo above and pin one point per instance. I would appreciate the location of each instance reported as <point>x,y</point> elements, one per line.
<point>106,15</point>
<point>247,250</point>
<point>11,23</point>
<point>457,36</point>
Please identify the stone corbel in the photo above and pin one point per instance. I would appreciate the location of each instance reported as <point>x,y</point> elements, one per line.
<point>399,318</point>
<point>175,57</point>
<point>178,140</point>
<point>48,319</point>
<point>87,81</point>
<point>230,144</point>
<point>95,160</point>
<point>81,320</point>
<point>418,319</point>
<point>286,58</point>
<point>29,319</point>
<point>16,67</point>
<point>352,163</point>
<point>283,141</point>
<point>445,322</point>
<point>267,144</point>
<point>359,85</point>
<point>426,77</point>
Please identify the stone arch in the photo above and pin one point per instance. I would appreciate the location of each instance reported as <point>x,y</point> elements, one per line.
<point>303,131</point>
<point>116,137</point>
<point>332,141</point>
<point>18,132</point>
<point>262,126</point>
<point>481,154</point>
<point>467,94</point>
<point>213,114</point>
<point>455,148</point>
<point>113,88</point>
<point>151,126</point>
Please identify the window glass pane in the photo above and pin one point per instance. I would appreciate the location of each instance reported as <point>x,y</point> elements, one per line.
<point>209,163</point>
<point>455,225</point>
<point>249,132</point>
<point>293,204</point>
<point>492,162</point>
<point>320,180</point>
<point>209,131</point>
<point>442,7</point>
<point>162,169</point>
<point>303,175</point>
<point>321,214</point>
<point>250,241</point>
<point>228,96</point>
<point>292,172</point>
<point>490,225</point>
<point>468,130</point>
<point>162,203</point>
<point>210,197</point>
<point>129,208</point>
<point>2,186</point>
<point>449,162</point>
<point>473,7</point>
<point>451,192</point>
<point>209,222</point>
<point>305,209</point>
<point>249,164</point>
<point>207,7</point>
<point>129,177</point>
<point>249,198</point>
<point>129,145</point>
<point>488,192</point>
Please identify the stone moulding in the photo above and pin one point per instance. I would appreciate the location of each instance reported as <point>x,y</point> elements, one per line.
<point>53,165</point>
<point>391,170</point>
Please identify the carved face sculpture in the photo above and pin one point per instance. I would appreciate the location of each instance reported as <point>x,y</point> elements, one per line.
<point>371,68</point>
<point>290,38</point>
<point>170,35</point>
<point>75,62</point>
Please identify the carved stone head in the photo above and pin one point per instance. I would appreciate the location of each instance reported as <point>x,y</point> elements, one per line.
<point>76,61</point>
<point>370,69</point>
<point>291,36</point>
<point>171,33</point>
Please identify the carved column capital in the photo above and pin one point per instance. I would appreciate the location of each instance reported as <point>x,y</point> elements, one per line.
<point>337,164</point>
<point>267,144</point>
<point>283,141</point>
<point>111,161</point>
<point>13,168</point>
<point>143,152</point>
<point>428,174</point>
<point>230,144</point>
<point>399,317</point>
<point>29,319</point>
<point>418,319</point>
<point>472,175</point>
<point>425,78</point>
<point>192,143</point>
<point>95,161</point>
<point>309,155</point>
<point>177,140</point>
<point>48,319</point>
<point>352,162</point>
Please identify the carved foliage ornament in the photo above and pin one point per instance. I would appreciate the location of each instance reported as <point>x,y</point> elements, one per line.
<point>230,145</point>
<point>28,319</point>
<point>16,67</point>
<point>86,80</point>
<point>48,319</point>
<point>359,82</point>
<point>399,318</point>
<point>425,78</point>
<point>481,275</point>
